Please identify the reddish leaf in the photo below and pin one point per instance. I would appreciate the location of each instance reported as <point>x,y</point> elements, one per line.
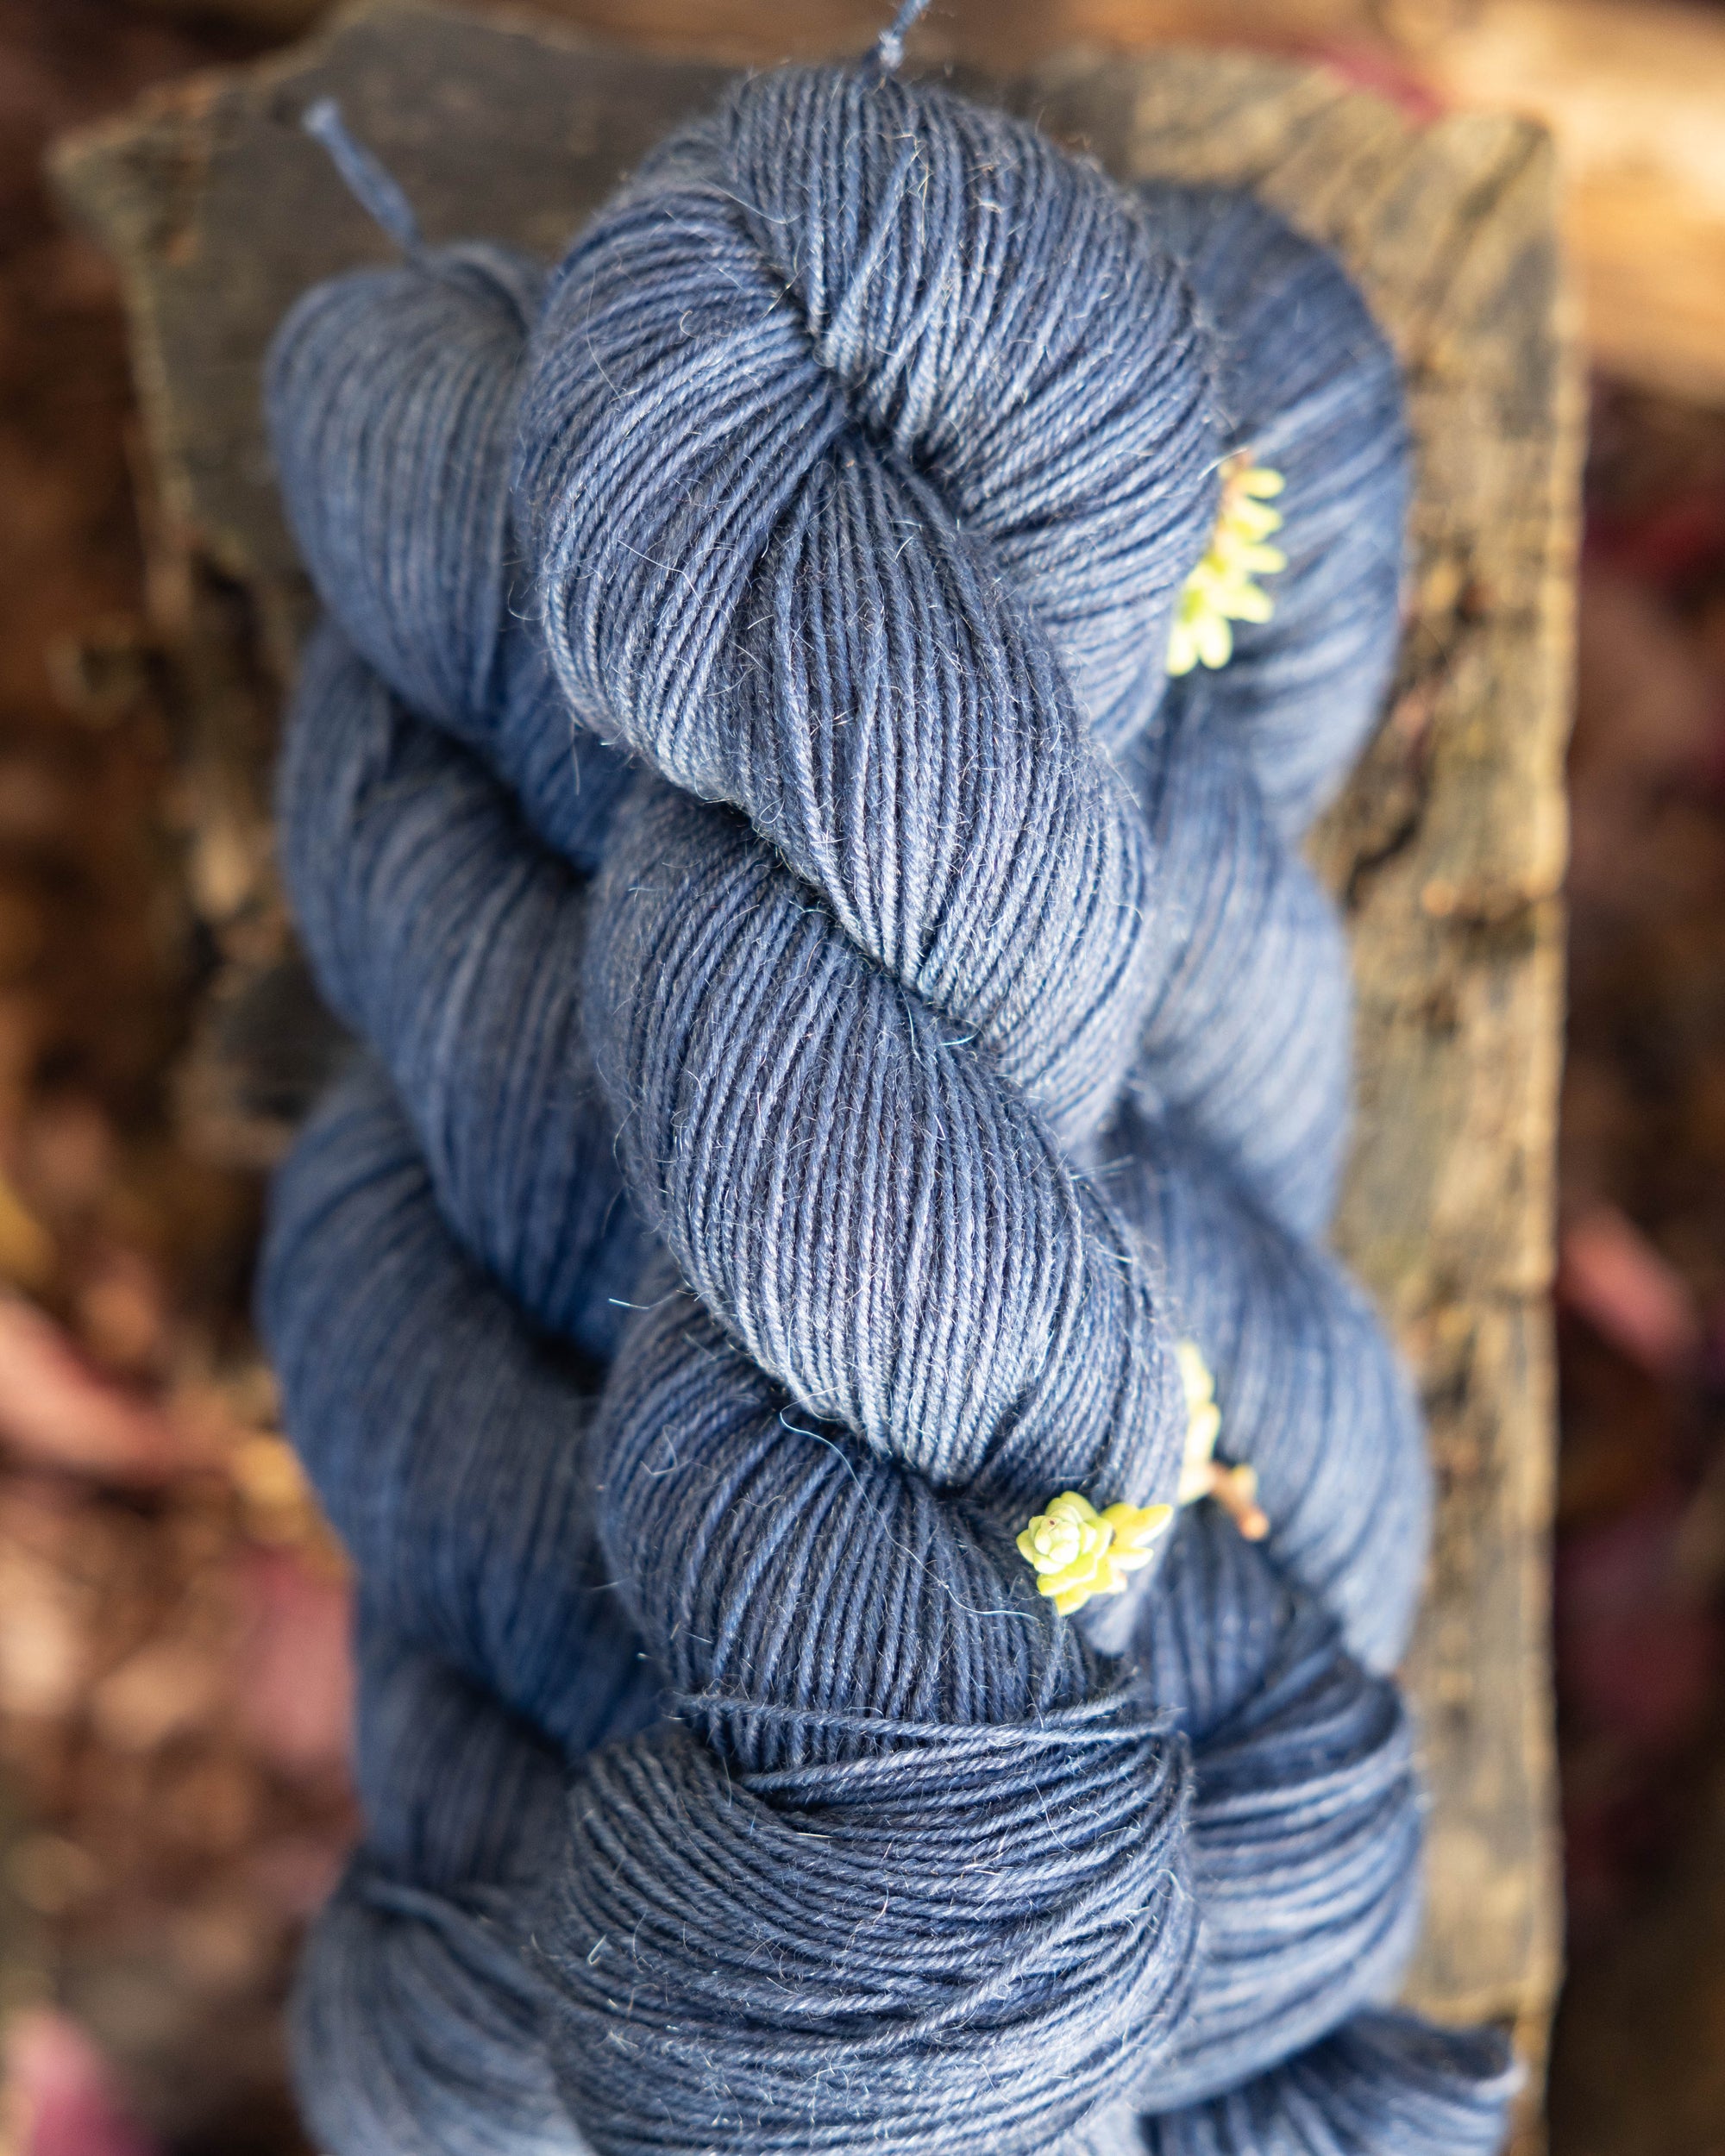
<point>1632,1295</point>
<point>57,1411</point>
<point>63,2094</point>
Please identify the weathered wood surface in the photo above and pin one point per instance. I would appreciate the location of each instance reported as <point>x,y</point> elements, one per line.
<point>1448,848</point>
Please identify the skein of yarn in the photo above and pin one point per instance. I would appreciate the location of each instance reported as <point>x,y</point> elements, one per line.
<point>846,1035</point>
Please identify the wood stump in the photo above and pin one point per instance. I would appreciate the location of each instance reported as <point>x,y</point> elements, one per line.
<point>1447,850</point>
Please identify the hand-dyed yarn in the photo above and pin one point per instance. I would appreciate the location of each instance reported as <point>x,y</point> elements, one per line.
<point>837,1017</point>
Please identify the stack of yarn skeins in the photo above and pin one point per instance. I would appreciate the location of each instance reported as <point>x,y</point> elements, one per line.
<point>805,1301</point>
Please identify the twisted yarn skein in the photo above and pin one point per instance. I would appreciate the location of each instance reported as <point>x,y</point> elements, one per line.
<point>837,1017</point>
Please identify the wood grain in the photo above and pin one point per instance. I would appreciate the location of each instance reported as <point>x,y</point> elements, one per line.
<point>1447,850</point>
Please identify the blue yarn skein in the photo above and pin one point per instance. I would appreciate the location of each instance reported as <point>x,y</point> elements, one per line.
<point>844,474</point>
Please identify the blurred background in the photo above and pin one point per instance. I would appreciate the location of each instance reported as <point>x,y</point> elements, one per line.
<point>173,1682</point>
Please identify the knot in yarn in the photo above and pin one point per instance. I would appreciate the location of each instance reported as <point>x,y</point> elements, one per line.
<point>841,1020</point>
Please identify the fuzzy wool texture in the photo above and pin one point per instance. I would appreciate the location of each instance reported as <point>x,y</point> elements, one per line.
<point>831,1017</point>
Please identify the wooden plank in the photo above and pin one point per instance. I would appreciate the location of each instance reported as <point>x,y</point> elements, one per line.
<point>1447,850</point>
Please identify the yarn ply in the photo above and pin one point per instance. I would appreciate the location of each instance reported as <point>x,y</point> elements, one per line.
<point>837,1017</point>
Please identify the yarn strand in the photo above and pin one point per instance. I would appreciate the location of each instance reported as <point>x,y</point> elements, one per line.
<point>889,47</point>
<point>369,181</point>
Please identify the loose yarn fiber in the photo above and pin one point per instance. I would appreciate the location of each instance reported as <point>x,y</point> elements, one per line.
<point>836,1015</point>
